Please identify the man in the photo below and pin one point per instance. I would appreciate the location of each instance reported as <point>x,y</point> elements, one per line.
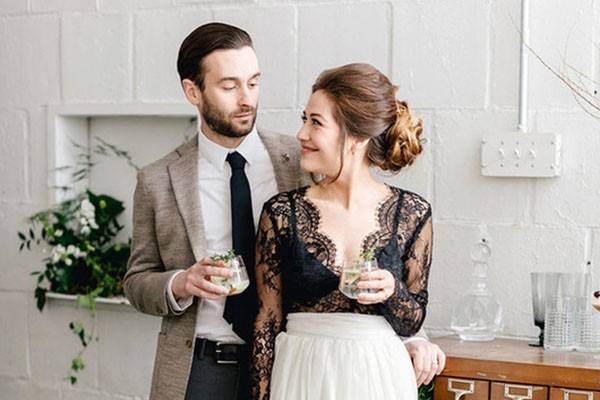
<point>205,198</point>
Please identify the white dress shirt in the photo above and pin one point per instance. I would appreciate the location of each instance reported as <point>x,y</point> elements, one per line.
<point>214,173</point>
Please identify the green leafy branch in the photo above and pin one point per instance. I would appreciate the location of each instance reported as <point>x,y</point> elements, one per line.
<point>83,160</point>
<point>226,258</point>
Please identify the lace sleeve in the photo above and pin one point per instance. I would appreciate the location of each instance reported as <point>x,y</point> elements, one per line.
<point>405,309</point>
<point>271,232</point>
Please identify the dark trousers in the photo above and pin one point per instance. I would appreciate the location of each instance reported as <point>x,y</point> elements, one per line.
<point>212,381</point>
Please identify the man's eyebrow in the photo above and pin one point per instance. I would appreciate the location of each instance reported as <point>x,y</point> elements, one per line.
<point>234,79</point>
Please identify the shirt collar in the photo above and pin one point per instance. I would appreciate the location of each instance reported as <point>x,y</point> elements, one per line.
<point>217,154</point>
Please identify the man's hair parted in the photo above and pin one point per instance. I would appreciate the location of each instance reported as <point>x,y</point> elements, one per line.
<point>204,40</point>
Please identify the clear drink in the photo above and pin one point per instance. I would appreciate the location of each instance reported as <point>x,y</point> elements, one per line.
<point>349,281</point>
<point>239,280</point>
<point>351,276</point>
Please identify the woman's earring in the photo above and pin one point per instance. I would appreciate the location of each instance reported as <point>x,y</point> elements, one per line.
<point>353,149</point>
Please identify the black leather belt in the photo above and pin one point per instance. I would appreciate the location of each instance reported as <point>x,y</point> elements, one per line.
<point>223,353</point>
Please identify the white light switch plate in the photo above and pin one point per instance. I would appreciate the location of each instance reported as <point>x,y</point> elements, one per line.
<point>525,155</point>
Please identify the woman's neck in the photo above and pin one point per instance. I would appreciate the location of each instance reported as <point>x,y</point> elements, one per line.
<point>350,187</point>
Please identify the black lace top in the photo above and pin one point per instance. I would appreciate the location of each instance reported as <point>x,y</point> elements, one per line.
<point>296,269</point>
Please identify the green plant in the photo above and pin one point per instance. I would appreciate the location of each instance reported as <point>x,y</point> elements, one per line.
<point>368,254</point>
<point>426,392</point>
<point>226,258</point>
<point>84,259</point>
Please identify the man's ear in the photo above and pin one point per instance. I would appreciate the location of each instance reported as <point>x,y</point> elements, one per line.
<point>191,91</point>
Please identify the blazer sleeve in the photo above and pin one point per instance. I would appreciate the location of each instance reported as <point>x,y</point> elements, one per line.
<point>145,282</point>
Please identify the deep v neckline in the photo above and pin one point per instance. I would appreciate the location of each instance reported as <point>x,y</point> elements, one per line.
<point>371,237</point>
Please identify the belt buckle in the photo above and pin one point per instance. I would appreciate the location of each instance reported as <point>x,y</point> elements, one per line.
<point>218,352</point>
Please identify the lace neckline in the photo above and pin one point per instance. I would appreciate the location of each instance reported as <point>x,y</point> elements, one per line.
<point>370,240</point>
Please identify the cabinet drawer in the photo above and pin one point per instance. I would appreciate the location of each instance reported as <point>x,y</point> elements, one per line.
<point>461,389</point>
<point>510,391</point>
<point>573,394</point>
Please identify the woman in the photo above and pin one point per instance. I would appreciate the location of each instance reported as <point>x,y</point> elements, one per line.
<point>334,347</point>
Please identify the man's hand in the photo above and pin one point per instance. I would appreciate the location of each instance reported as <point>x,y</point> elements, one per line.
<point>428,360</point>
<point>195,281</point>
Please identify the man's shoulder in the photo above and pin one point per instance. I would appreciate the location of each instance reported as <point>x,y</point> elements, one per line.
<point>160,167</point>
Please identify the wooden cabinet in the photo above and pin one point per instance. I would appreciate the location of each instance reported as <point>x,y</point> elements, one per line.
<point>512,391</point>
<point>512,370</point>
<point>571,394</point>
<point>463,389</point>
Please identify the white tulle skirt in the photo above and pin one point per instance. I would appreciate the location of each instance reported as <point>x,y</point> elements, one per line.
<point>341,356</point>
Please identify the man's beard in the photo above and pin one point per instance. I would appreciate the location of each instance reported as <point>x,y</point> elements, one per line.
<point>221,123</point>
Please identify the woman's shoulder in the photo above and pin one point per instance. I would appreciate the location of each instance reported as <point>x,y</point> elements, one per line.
<point>413,202</point>
<point>284,199</point>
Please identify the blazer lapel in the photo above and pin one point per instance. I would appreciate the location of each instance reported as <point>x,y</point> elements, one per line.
<point>283,161</point>
<point>184,180</point>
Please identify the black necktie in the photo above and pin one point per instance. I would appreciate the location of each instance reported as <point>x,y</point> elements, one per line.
<point>242,222</point>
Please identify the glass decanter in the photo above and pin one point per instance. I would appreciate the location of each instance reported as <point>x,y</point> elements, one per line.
<point>478,316</point>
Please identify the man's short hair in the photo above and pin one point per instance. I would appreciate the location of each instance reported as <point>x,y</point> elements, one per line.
<point>203,41</point>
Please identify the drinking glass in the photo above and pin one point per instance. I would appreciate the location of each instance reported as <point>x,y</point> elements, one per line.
<point>543,285</point>
<point>351,276</point>
<point>589,331</point>
<point>239,281</point>
<point>561,323</point>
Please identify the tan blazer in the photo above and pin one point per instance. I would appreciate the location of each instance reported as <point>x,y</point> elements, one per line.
<point>168,234</point>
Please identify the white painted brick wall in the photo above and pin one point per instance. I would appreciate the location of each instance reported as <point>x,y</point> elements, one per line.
<point>21,389</point>
<point>570,43</point>
<point>456,64</point>
<point>580,178</point>
<point>131,5</point>
<point>29,50</point>
<point>158,35</point>
<point>52,346</point>
<point>504,52</point>
<point>13,325</point>
<point>461,192</point>
<point>441,52</point>
<point>95,60</point>
<point>13,152</point>
<point>126,355</point>
<point>361,33</point>
<point>62,5</point>
<point>12,6</point>
<point>273,32</point>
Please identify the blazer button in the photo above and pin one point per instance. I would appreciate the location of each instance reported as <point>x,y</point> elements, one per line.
<point>188,343</point>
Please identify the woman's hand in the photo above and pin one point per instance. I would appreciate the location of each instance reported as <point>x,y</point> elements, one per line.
<point>381,281</point>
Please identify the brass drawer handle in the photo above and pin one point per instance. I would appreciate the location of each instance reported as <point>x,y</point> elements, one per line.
<point>509,395</point>
<point>458,393</point>
<point>568,392</point>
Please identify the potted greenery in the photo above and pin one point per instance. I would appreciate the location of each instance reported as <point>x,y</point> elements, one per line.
<point>84,256</point>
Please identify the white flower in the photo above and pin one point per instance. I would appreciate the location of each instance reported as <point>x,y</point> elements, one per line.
<point>83,221</point>
<point>60,249</point>
<point>68,261</point>
<point>85,230</point>
<point>93,224</point>
<point>71,249</point>
<point>79,253</point>
<point>55,257</point>
<point>58,233</point>
<point>58,253</point>
<point>87,207</point>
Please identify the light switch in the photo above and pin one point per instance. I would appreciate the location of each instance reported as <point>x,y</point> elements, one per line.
<point>523,155</point>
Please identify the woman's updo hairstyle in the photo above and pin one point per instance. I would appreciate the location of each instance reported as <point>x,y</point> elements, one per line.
<point>365,106</point>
